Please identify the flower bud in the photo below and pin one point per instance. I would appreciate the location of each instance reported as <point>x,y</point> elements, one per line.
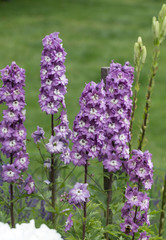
<point>162,12</point>
<point>136,52</point>
<point>140,41</point>
<point>144,53</point>
<point>164,26</point>
<point>155,28</point>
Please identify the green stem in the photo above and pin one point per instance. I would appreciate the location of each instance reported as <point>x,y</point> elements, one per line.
<point>84,207</point>
<point>163,207</point>
<point>11,199</point>
<point>154,69</point>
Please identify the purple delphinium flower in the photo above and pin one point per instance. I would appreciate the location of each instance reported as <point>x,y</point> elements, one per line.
<point>29,185</point>
<point>55,145</point>
<point>118,113</point>
<point>10,173</point>
<point>69,223</point>
<point>88,132</point>
<point>79,194</point>
<point>140,168</point>
<point>52,73</point>
<point>143,236</point>
<point>129,227</point>
<point>38,134</point>
<point>12,130</point>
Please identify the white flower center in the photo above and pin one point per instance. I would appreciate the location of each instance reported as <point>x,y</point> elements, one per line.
<point>62,128</point>
<point>50,105</point>
<point>142,170</point>
<point>47,59</point>
<point>93,111</point>
<point>4,130</point>
<point>43,97</point>
<point>24,112</point>
<point>57,68</point>
<point>122,137</point>
<point>120,111</point>
<point>95,97</point>
<point>11,114</point>
<point>16,92</point>
<point>81,123</point>
<point>7,93</point>
<point>21,132</point>
<point>113,163</point>
<point>111,125</point>
<point>12,143</point>
<point>93,149</point>
<point>114,101</point>
<point>83,142</point>
<point>126,98</point>
<point>31,184</point>
<point>44,71</point>
<point>134,198</point>
<point>59,54</point>
<point>91,129</point>
<point>57,92</point>
<point>48,82</point>
<point>15,103</point>
<point>77,155</point>
<point>119,75</point>
<point>79,192</point>
<point>10,174</point>
<point>22,160</point>
<point>111,90</point>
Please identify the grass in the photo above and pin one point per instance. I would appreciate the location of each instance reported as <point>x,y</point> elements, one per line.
<point>94,33</point>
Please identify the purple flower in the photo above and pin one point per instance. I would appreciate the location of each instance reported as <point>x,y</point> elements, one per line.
<point>79,194</point>
<point>129,227</point>
<point>53,79</point>
<point>21,161</point>
<point>112,164</point>
<point>29,185</point>
<point>143,236</point>
<point>38,135</point>
<point>69,223</point>
<point>10,173</point>
<point>55,145</point>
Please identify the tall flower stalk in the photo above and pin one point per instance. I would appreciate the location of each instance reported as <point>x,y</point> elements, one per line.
<point>51,98</point>
<point>116,128</point>
<point>13,132</point>
<point>159,33</point>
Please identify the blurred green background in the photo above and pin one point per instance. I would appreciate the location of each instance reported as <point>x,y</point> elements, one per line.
<point>94,33</point>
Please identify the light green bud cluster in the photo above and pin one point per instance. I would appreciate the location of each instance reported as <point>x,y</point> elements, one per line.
<point>159,26</point>
<point>139,53</point>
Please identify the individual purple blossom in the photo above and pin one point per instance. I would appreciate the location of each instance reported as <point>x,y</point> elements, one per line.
<point>69,223</point>
<point>79,194</point>
<point>21,161</point>
<point>55,145</point>
<point>144,236</point>
<point>38,134</point>
<point>10,173</point>
<point>129,227</point>
<point>29,185</point>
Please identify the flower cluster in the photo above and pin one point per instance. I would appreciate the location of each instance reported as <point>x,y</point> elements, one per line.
<point>88,134</point>
<point>140,168</point>
<point>118,113</point>
<point>12,130</point>
<point>135,209</point>
<point>59,143</point>
<point>52,73</point>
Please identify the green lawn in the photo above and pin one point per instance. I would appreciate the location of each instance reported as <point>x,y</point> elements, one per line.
<point>94,33</point>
